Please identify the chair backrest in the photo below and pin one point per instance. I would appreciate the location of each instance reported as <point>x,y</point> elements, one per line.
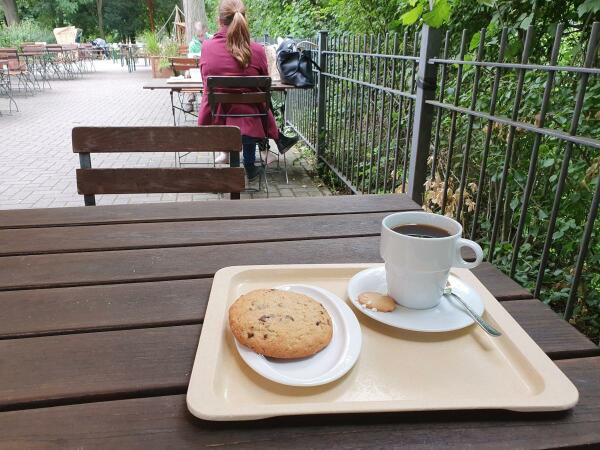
<point>183,64</point>
<point>86,140</point>
<point>183,49</point>
<point>9,53</point>
<point>239,90</point>
<point>33,49</point>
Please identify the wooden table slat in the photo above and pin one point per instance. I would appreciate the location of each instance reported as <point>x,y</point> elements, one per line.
<point>107,364</point>
<point>82,367</point>
<point>499,284</point>
<point>189,233</point>
<point>213,210</point>
<point>164,422</point>
<point>36,312</point>
<point>106,307</point>
<point>72,269</point>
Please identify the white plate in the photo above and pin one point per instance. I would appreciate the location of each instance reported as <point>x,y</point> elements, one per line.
<point>325,366</point>
<point>447,316</point>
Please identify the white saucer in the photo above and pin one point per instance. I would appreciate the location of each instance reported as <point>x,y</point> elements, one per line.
<point>449,315</point>
<point>325,366</point>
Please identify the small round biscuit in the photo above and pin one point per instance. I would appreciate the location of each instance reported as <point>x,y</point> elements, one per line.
<point>377,301</point>
<point>280,324</point>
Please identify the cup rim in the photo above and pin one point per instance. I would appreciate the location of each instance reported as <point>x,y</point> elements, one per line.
<point>434,239</point>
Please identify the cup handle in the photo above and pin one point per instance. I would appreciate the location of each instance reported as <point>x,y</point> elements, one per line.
<point>460,262</point>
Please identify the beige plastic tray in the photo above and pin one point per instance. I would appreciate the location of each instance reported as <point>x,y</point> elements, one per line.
<point>397,370</point>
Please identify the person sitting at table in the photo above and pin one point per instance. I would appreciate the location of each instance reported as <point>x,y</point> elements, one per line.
<point>194,51</point>
<point>200,35</point>
<point>231,53</point>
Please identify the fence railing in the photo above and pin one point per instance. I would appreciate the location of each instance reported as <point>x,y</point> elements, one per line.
<point>499,133</point>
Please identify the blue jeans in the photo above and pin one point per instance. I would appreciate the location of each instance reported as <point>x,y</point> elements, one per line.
<point>249,150</point>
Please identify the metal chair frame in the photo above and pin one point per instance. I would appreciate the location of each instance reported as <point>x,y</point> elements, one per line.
<point>256,90</point>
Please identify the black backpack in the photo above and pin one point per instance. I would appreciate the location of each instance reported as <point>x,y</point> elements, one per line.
<point>295,65</point>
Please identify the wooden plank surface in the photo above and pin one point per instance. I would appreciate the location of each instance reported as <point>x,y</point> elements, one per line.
<point>156,139</point>
<point>76,269</point>
<point>171,212</point>
<point>82,367</point>
<point>188,233</point>
<point>163,422</point>
<point>108,307</point>
<point>35,312</point>
<point>160,180</point>
<point>156,264</point>
<point>544,325</point>
<point>497,282</point>
<point>76,367</point>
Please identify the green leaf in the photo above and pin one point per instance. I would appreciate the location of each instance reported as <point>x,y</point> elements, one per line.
<point>589,6</point>
<point>557,234</point>
<point>527,21</point>
<point>547,163</point>
<point>486,2</point>
<point>475,41</point>
<point>438,15</point>
<point>410,17</point>
<point>396,25</point>
<point>514,203</point>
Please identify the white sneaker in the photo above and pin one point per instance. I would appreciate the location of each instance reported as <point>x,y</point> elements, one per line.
<point>223,158</point>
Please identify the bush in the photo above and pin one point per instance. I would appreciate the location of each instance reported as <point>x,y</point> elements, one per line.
<point>26,31</point>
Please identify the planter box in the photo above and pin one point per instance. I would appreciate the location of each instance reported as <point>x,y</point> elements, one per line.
<point>157,71</point>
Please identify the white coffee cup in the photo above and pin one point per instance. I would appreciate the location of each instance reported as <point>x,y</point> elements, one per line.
<point>417,268</point>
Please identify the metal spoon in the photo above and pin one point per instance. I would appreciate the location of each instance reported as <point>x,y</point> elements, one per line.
<point>476,317</point>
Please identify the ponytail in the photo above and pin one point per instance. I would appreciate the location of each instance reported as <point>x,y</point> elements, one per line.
<point>232,13</point>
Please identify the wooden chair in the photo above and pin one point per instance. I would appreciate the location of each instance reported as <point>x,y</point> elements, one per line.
<point>179,65</point>
<point>87,140</point>
<point>224,90</point>
<point>183,64</point>
<point>18,69</point>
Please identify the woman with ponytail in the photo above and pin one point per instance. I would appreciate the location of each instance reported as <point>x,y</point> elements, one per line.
<point>231,53</point>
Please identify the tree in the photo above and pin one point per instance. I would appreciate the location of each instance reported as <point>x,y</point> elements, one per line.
<point>194,11</point>
<point>10,11</point>
<point>100,21</point>
<point>150,5</point>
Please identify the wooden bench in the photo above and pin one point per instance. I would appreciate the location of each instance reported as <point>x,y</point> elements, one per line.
<point>87,140</point>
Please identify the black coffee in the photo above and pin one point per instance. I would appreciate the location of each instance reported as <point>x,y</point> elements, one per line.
<point>421,231</point>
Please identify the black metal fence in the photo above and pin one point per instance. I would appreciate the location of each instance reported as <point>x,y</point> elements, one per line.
<point>499,133</point>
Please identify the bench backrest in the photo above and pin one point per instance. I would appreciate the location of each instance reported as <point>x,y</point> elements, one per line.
<point>87,140</point>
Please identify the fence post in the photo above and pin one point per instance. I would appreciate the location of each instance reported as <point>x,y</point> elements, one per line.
<point>321,131</point>
<point>423,115</point>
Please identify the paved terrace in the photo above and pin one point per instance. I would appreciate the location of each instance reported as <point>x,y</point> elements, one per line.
<point>37,166</point>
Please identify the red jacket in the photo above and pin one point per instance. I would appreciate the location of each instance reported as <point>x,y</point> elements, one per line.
<point>216,60</point>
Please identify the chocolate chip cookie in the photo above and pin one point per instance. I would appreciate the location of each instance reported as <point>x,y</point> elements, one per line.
<point>280,324</point>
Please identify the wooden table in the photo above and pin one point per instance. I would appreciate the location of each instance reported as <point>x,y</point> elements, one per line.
<point>102,307</point>
<point>196,87</point>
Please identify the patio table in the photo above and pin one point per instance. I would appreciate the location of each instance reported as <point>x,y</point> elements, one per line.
<point>102,308</point>
<point>195,87</point>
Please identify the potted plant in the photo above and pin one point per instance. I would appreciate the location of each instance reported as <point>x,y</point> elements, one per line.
<point>159,51</point>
